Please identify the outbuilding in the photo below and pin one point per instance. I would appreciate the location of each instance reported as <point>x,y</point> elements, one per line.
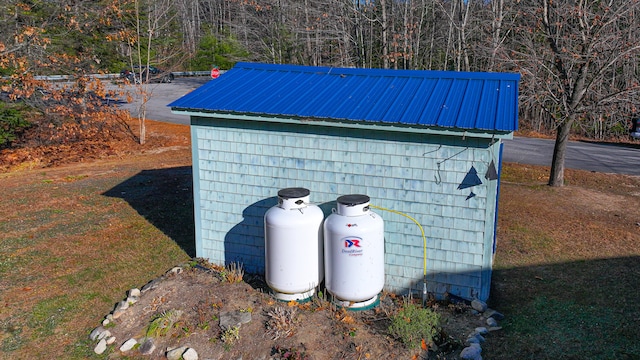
<point>424,144</point>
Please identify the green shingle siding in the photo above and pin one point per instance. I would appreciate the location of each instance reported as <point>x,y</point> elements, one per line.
<point>239,166</point>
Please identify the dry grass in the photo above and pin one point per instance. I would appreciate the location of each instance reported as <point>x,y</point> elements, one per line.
<point>69,251</point>
<point>234,273</point>
<point>567,266</point>
<point>75,238</point>
<point>281,322</point>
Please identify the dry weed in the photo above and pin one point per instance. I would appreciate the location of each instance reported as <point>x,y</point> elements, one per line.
<point>281,322</point>
<point>230,336</point>
<point>233,273</point>
<point>163,323</point>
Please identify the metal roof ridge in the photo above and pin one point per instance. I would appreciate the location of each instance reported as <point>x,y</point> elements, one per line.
<point>327,70</point>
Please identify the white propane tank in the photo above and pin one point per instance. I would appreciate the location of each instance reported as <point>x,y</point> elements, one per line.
<point>354,253</point>
<point>293,246</point>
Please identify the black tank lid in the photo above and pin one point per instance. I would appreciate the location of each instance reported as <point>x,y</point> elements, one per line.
<point>293,193</point>
<point>353,200</point>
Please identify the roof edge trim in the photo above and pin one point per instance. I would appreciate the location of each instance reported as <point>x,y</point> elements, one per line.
<point>476,133</point>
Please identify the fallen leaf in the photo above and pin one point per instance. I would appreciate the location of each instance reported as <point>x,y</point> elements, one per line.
<point>348,319</point>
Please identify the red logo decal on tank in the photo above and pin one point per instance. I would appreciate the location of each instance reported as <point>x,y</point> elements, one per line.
<point>351,242</point>
<point>352,225</point>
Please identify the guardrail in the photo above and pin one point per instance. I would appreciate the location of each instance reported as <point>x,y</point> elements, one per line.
<point>117,76</point>
<point>194,73</point>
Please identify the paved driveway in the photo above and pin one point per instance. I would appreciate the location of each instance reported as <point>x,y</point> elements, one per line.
<point>160,96</point>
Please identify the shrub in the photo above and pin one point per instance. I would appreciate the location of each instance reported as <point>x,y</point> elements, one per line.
<point>223,52</point>
<point>412,324</point>
<point>12,123</point>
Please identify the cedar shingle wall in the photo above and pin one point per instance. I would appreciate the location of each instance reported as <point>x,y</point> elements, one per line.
<point>239,166</point>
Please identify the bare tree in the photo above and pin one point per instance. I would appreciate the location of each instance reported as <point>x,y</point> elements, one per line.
<point>500,18</point>
<point>191,23</point>
<point>568,52</point>
<point>148,22</point>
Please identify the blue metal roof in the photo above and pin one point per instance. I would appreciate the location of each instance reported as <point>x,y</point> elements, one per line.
<point>440,99</point>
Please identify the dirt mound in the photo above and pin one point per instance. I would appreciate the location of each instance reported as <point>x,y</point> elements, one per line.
<point>316,329</point>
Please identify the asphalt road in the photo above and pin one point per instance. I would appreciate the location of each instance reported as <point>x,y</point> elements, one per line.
<point>160,96</point>
<point>597,157</point>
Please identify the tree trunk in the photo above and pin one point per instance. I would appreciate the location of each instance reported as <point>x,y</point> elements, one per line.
<point>556,177</point>
<point>313,60</point>
<point>143,130</point>
<point>385,40</point>
<point>497,10</point>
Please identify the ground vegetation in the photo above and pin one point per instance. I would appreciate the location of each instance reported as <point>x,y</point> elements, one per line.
<point>79,233</point>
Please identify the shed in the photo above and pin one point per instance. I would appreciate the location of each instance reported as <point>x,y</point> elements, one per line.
<point>421,143</point>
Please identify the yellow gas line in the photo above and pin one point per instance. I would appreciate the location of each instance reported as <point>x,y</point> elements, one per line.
<point>424,245</point>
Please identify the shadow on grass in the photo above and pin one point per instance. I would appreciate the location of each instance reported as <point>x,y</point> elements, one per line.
<point>576,310</point>
<point>165,198</point>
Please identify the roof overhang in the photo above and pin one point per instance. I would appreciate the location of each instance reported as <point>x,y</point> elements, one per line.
<point>376,126</point>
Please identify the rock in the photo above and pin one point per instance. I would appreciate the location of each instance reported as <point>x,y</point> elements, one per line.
<point>122,305</point>
<point>149,286</point>
<point>471,352</point>
<point>176,354</point>
<point>107,320</point>
<point>101,347</point>
<point>117,313</point>
<point>134,293</point>
<point>472,340</point>
<point>175,271</point>
<point>482,330</point>
<point>111,340</point>
<point>190,354</point>
<point>491,322</point>
<point>105,334</point>
<point>128,345</point>
<point>479,305</point>
<point>231,319</point>
<point>495,328</point>
<point>147,347</point>
<point>493,314</point>
<point>475,338</point>
<point>132,300</point>
<point>96,332</point>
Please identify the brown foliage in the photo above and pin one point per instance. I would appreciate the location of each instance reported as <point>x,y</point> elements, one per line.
<point>70,122</point>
